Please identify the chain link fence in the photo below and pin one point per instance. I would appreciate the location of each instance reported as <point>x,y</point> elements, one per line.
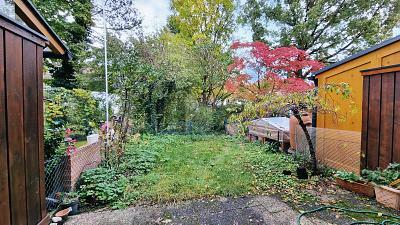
<point>62,173</point>
<point>338,149</point>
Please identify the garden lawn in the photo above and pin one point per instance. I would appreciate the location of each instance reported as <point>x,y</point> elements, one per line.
<point>180,167</point>
<point>192,167</point>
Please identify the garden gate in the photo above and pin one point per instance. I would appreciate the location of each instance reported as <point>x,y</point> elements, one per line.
<point>21,125</point>
<point>381,117</point>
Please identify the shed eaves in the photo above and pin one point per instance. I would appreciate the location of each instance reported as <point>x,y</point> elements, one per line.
<point>359,54</point>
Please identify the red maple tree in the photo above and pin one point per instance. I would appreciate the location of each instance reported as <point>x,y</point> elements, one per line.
<point>259,69</point>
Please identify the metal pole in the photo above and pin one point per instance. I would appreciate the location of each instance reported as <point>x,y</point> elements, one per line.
<point>106,67</point>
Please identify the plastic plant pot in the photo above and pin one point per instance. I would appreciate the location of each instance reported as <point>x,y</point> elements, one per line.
<point>302,173</point>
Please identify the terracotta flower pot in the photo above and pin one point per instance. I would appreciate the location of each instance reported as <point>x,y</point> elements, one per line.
<point>73,205</point>
<point>366,189</point>
<point>64,213</point>
<point>388,196</point>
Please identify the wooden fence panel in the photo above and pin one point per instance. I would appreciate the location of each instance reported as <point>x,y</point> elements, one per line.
<point>396,120</point>
<point>4,191</point>
<point>40,129</point>
<point>364,134</point>
<point>31,132</point>
<point>15,127</point>
<point>386,120</point>
<point>373,118</point>
<point>381,119</point>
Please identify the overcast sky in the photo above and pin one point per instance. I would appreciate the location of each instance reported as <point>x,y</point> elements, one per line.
<point>156,12</point>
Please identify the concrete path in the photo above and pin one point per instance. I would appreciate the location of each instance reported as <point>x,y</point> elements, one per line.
<point>222,211</point>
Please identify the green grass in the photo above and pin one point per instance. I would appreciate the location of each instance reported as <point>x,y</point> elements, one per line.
<point>198,168</point>
<point>191,167</point>
<point>181,167</point>
<point>80,143</point>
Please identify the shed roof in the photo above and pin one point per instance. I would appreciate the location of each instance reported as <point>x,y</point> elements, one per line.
<point>31,16</point>
<point>358,54</point>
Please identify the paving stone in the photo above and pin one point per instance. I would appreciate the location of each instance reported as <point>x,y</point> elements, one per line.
<point>224,211</point>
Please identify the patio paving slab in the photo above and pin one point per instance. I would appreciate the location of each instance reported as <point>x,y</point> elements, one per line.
<point>222,211</point>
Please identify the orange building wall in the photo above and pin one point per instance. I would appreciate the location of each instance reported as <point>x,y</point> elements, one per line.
<point>350,73</point>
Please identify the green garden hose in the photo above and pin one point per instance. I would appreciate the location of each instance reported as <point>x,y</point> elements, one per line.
<point>384,222</point>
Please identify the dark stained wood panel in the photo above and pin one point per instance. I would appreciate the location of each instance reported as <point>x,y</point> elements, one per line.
<point>31,132</point>
<point>40,117</point>
<point>4,191</point>
<point>374,121</point>
<point>396,120</point>
<point>15,126</point>
<point>22,188</point>
<point>386,120</point>
<point>381,117</point>
<point>364,133</point>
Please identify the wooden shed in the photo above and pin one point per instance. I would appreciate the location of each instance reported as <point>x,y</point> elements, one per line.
<point>349,70</point>
<point>25,38</point>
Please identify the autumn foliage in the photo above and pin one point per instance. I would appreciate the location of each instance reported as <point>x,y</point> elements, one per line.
<point>259,69</point>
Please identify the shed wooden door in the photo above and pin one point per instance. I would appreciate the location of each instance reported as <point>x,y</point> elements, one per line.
<point>381,117</point>
<point>21,125</point>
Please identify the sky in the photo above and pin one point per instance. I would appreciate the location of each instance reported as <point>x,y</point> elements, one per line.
<point>155,14</point>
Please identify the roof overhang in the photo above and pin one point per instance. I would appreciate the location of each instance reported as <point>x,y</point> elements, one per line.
<point>29,14</point>
<point>358,55</point>
<point>380,70</point>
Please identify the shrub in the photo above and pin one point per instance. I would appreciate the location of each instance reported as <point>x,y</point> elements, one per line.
<point>83,114</point>
<point>105,185</point>
<point>55,122</point>
<point>75,109</point>
<point>101,185</point>
<point>205,119</point>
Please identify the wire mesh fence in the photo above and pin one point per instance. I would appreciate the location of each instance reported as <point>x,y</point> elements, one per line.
<point>62,173</point>
<point>56,180</point>
<point>338,149</point>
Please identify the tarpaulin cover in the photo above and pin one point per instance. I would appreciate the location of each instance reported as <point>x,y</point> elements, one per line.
<point>275,128</point>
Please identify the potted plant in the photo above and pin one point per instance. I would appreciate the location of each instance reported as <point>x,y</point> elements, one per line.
<point>386,185</point>
<point>70,199</point>
<point>302,162</point>
<point>352,182</point>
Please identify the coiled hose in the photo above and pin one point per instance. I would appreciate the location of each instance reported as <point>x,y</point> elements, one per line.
<point>384,222</point>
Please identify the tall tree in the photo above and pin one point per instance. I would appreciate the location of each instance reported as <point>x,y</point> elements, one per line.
<point>121,15</point>
<point>203,19</point>
<point>209,25</point>
<point>259,70</point>
<point>71,20</point>
<point>327,29</point>
<point>213,62</point>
